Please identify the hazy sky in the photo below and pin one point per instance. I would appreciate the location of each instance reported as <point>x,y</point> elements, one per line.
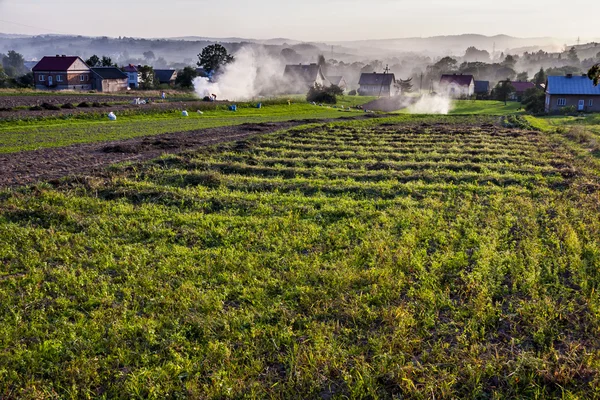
<point>301,19</point>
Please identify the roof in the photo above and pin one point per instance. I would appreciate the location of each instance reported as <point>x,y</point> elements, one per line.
<point>335,80</point>
<point>109,73</point>
<point>461,80</point>
<point>58,63</point>
<point>130,68</point>
<point>522,86</point>
<point>377,79</point>
<point>165,75</point>
<point>307,73</point>
<point>575,85</point>
<point>482,86</point>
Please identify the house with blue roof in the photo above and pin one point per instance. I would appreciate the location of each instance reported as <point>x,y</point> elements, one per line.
<point>570,90</point>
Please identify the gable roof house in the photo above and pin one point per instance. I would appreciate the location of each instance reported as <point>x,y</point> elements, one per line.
<point>338,81</point>
<point>166,76</point>
<point>62,73</point>
<point>109,79</point>
<point>569,90</point>
<point>133,76</point>
<point>457,86</point>
<point>520,88</point>
<point>302,77</point>
<point>375,84</point>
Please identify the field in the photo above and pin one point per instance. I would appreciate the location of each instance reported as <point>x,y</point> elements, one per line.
<point>485,107</point>
<point>405,257</point>
<point>16,136</point>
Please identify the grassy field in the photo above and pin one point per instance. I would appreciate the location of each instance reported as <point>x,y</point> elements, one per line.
<point>485,107</point>
<point>415,257</point>
<point>33,134</point>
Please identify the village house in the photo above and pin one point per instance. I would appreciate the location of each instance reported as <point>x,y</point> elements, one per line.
<point>109,79</point>
<point>338,81</point>
<point>572,91</point>
<point>62,73</point>
<point>520,89</point>
<point>375,84</point>
<point>301,77</point>
<point>166,76</point>
<point>482,89</point>
<point>457,86</point>
<point>133,76</point>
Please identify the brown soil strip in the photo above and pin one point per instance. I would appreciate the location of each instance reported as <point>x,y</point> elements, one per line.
<point>28,167</point>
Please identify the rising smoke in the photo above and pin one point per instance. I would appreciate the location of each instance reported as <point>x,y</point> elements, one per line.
<point>431,104</point>
<point>253,73</point>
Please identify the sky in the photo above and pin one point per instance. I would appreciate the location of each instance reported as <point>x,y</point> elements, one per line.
<point>308,20</point>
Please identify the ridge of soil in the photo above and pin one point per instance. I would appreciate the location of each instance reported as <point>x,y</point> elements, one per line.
<point>23,168</point>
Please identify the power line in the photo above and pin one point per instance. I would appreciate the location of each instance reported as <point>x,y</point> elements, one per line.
<point>35,27</point>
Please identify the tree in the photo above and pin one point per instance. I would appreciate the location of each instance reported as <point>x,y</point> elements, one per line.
<point>25,81</point>
<point>474,54</point>
<point>14,64</point>
<point>107,62</point>
<point>594,74</point>
<point>214,57</point>
<point>291,56</point>
<point>523,76</point>
<point>149,55</point>
<point>322,63</point>
<point>573,57</point>
<point>93,61</point>
<point>509,61</point>
<point>3,78</point>
<point>185,78</point>
<point>446,64</point>
<point>534,101</point>
<point>405,86</point>
<point>147,77</point>
<point>540,77</point>
<point>503,90</point>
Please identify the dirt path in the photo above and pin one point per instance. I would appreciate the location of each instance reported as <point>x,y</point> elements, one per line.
<point>23,168</point>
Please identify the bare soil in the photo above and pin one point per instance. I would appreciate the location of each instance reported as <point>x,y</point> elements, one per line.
<point>28,167</point>
<point>7,105</point>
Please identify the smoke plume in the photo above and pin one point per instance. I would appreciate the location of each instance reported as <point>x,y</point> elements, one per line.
<point>431,104</point>
<point>253,73</point>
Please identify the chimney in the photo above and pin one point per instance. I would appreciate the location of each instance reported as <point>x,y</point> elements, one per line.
<point>58,55</point>
<point>584,75</point>
<point>569,75</point>
<point>63,55</point>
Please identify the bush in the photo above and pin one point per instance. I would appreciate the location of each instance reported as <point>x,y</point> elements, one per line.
<point>96,104</point>
<point>534,101</point>
<point>320,94</point>
<point>83,104</point>
<point>68,106</point>
<point>352,93</point>
<point>568,110</point>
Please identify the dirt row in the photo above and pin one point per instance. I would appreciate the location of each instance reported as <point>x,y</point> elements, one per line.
<point>28,101</point>
<point>28,167</point>
<point>102,108</point>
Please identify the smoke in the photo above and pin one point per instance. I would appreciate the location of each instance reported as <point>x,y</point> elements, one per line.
<point>253,73</point>
<point>431,104</point>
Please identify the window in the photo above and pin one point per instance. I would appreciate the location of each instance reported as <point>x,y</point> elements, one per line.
<point>42,78</point>
<point>83,78</point>
<point>591,103</point>
<point>562,102</point>
<point>58,78</point>
<point>547,100</point>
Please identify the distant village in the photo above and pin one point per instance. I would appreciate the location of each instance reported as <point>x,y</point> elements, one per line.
<point>62,72</point>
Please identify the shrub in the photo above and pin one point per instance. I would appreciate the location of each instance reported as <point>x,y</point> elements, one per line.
<point>83,104</point>
<point>568,110</point>
<point>327,95</point>
<point>68,106</point>
<point>352,93</point>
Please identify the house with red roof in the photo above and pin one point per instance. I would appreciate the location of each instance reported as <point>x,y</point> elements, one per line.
<point>62,73</point>
<point>520,89</point>
<point>457,85</point>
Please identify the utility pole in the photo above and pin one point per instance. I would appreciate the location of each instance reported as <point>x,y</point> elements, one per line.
<point>421,87</point>
<point>386,70</point>
<point>494,52</point>
<point>578,40</point>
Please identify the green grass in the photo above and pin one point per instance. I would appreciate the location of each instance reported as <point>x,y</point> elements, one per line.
<point>414,257</point>
<point>485,107</point>
<point>34,134</point>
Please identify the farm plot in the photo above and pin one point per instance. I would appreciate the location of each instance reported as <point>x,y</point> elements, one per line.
<point>442,258</point>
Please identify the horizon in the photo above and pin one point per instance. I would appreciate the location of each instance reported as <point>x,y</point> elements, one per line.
<point>337,21</point>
